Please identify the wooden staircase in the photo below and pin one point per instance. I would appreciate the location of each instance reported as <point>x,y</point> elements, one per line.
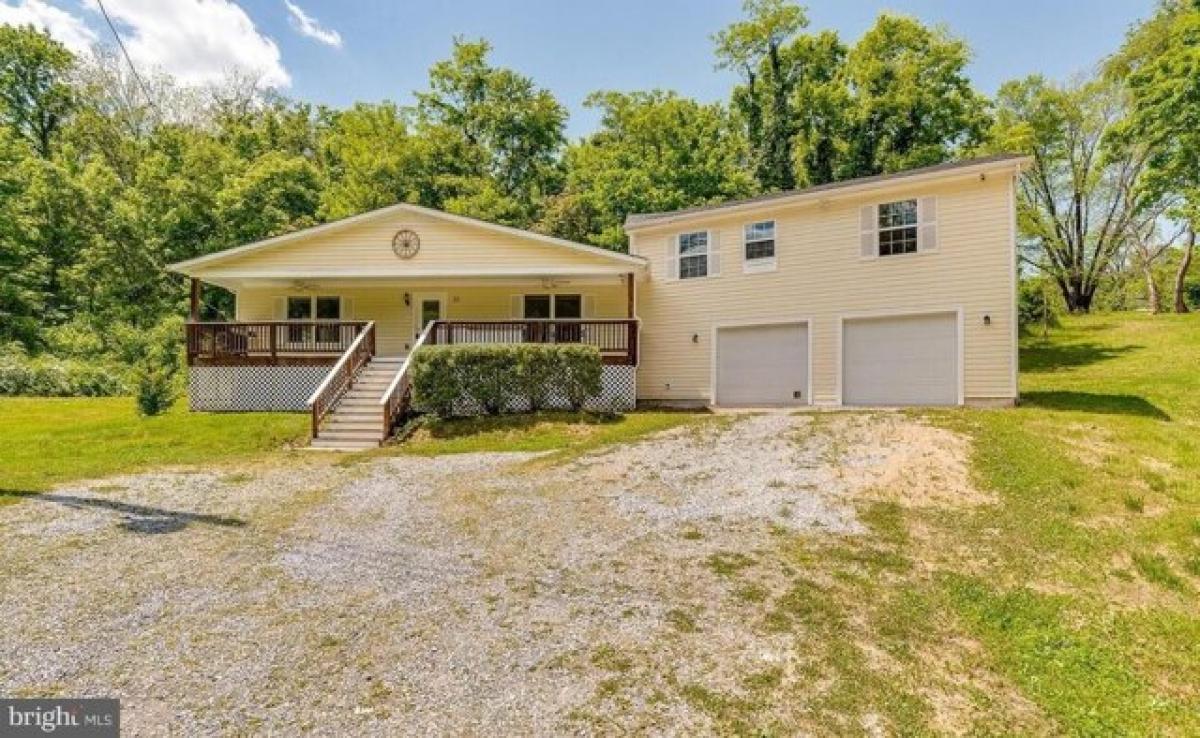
<point>356,420</point>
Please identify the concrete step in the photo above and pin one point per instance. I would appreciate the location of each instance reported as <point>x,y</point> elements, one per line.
<point>357,426</point>
<point>374,436</point>
<point>326,444</point>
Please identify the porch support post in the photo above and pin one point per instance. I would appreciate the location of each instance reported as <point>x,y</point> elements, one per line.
<point>629,280</point>
<point>195,304</point>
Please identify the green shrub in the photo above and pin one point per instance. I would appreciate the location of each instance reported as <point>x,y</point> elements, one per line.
<point>581,370</point>
<point>156,372</point>
<point>495,378</point>
<point>1037,304</point>
<point>154,389</point>
<point>49,376</point>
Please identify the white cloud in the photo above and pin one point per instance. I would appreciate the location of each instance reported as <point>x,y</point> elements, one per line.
<point>311,27</point>
<point>196,41</point>
<point>67,29</point>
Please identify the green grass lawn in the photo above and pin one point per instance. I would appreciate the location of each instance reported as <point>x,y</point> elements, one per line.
<point>1089,598</point>
<point>47,441</point>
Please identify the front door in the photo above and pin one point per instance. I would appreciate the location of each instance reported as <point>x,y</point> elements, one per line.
<point>427,307</point>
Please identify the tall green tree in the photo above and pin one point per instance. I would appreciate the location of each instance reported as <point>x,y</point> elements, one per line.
<point>371,161</point>
<point>1078,201</point>
<point>913,103</point>
<point>761,49</point>
<point>493,131</point>
<point>24,272</point>
<point>654,151</point>
<point>1160,64</point>
<point>276,194</point>
<point>35,94</point>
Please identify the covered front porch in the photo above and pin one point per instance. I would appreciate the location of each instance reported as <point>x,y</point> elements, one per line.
<point>314,322</point>
<point>339,348</point>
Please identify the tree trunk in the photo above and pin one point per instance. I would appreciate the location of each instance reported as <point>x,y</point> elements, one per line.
<point>1181,276</point>
<point>1152,295</point>
<point>1077,295</point>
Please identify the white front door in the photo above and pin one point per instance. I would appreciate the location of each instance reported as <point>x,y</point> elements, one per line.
<point>426,307</point>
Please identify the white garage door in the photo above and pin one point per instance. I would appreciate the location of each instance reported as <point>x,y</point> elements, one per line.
<point>762,365</point>
<point>909,360</point>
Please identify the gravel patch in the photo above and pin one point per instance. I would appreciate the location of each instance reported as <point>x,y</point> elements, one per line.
<point>469,594</point>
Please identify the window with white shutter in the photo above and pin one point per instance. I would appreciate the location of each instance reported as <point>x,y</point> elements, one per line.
<point>692,253</point>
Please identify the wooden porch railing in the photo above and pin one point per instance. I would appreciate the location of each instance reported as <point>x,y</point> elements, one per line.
<point>616,339</point>
<point>397,399</point>
<point>270,340</point>
<point>341,376</point>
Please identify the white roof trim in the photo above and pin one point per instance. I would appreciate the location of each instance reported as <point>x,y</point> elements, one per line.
<point>829,194</point>
<point>337,225</point>
<point>302,273</point>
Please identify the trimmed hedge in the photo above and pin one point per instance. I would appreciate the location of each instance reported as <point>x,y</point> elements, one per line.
<point>496,378</point>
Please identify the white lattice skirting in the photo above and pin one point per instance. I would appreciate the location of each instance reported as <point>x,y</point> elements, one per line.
<point>253,388</point>
<point>286,388</point>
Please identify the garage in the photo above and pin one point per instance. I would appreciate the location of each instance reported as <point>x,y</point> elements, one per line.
<point>760,365</point>
<point>901,360</point>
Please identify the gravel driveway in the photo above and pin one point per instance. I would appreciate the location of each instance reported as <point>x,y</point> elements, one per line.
<point>470,594</point>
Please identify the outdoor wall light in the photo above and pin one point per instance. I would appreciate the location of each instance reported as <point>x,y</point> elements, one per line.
<point>987,320</point>
<point>695,338</point>
<point>407,299</point>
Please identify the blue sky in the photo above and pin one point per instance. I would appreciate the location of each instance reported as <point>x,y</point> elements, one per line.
<point>569,47</point>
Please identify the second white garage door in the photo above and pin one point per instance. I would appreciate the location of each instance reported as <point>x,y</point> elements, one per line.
<point>904,360</point>
<point>762,365</point>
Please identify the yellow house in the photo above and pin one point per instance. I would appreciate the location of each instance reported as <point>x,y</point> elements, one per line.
<point>891,290</point>
<point>898,289</point>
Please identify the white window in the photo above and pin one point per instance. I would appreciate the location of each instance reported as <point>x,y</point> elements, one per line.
<point>899,227</point>
<point>693,255</point>
<point>758,246</point>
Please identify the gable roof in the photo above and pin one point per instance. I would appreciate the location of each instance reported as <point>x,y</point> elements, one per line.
<point>184,267</point>
<point>642,220</point>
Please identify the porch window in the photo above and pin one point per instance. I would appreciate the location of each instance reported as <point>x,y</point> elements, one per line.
<point>693,255</point>
<point>559,307</point>
<point>328,308</point>
<point>538,307</point>
<point>898,228</point>
<point>299,308</point>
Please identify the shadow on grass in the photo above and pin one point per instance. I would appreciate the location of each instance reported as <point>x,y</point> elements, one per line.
<point>1091,402</point>
<point>1048,357</point>
<point>135,518</point>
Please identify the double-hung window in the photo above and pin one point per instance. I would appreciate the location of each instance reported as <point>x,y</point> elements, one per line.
<point>758,250</point>
<point>303,308</point>
<point>693,255</point>
<point>898,228</point>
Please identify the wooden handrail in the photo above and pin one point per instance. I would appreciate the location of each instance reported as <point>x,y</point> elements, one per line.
<point>615,338</point>
<point>341,376</point>
<point>398,395</point>
<point>265,340</point>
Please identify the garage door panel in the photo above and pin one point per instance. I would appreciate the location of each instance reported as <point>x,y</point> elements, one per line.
<point>904,360</point>
<point>762,365</point>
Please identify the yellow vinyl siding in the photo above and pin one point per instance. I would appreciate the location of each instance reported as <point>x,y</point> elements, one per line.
<point>446,247</point>
<point>394,320</point>
<point>822,277</point>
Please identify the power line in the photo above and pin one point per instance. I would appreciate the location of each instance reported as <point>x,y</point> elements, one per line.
<point>121,44</point>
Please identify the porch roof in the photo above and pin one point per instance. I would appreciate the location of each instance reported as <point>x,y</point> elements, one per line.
<point>565,258</point>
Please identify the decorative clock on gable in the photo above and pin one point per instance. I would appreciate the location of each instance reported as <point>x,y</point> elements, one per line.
<point>406,243</point>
